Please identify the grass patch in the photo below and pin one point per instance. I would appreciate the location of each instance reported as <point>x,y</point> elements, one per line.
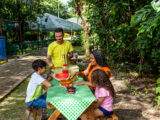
<point>13,107</point>
<point>78,49</point>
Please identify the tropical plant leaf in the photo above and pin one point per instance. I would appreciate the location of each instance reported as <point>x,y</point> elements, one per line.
<point>157,90</point>
<point>156,5</point>
<point>158,98</point>
<point>158,80</point>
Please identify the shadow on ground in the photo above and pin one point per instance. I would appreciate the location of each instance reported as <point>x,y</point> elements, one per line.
<point>129,114</point>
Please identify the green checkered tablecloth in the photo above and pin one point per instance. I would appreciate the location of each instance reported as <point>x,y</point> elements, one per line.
<point>70,105</point>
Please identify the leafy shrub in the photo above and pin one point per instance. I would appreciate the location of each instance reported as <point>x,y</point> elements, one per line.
<point>76,40</point>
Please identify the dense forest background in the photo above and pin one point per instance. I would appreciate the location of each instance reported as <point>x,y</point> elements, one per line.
<point>126,30</point>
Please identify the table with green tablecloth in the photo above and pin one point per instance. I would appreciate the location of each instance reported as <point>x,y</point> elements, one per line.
<point>70,105</point>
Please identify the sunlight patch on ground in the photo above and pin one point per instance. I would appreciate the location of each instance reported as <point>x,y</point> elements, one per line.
<point>14,105</point>
<point>134,74</point>
<point>16,77</point>
<point>2,77</point>
<point>4,109</point>
<point>31,57</point>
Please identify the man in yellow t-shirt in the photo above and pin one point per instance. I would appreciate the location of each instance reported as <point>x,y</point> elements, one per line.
<point>57,49</point>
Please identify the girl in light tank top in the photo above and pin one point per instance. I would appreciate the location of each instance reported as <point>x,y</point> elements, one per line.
<point>104,93</point>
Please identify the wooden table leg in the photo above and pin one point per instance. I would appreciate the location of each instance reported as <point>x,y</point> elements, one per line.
<point>88,114</point>
<point>50,106</point>
<point>54,115</point>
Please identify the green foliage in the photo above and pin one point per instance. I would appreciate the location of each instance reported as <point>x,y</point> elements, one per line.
<point>127,31</point>
<point>157,91</point>
<point>140,15</point>
<point>19,9</point>
<point>147,40</point>
<point>50,6</point>
<point>156,5</point>
<point>158,81</point>
<point>77,40</point>
<point>22,10</point>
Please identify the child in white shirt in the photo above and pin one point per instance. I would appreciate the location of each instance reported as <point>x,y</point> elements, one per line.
<point>34,93</point>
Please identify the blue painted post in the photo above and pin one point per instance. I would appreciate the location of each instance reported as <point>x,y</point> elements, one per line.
<point>2,48</point>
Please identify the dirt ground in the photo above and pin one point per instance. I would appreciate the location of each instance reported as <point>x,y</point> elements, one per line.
<point>132,107</point>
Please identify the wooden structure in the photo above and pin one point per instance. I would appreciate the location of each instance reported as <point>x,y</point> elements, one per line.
<point>33,113</point>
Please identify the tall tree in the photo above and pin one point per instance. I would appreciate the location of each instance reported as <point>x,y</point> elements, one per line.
<point>79,7</point>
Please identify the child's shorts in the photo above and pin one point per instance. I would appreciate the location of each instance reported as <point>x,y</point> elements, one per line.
<point>105,112</point>
<point>38,102</point>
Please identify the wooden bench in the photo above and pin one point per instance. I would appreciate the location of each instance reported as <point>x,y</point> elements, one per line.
<point>32,113</point>
<point>90,114</point>
<point>113,116</point>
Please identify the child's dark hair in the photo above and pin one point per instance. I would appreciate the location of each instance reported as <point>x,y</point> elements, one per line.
<point>38,64</point>
<point>101,79</point>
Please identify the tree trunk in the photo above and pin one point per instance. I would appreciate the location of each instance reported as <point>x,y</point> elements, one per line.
<point>86,35</point>
<point>140,65</point>
<point>79,7</point>
<point>86,38</point>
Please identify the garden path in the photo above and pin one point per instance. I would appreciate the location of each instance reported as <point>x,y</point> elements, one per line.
<point>16,71</point>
